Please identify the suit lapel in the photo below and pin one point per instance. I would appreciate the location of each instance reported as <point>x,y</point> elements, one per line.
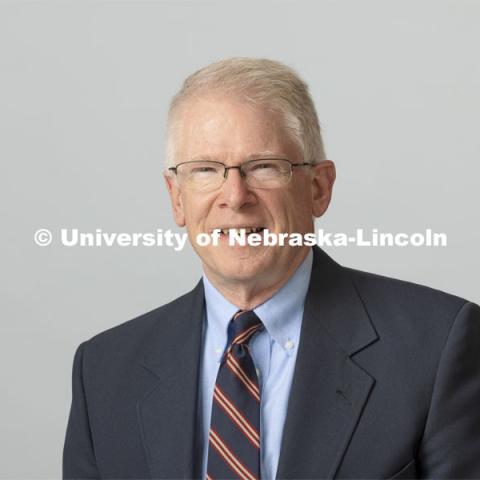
<point>329,389</point>
<point>167,412</point>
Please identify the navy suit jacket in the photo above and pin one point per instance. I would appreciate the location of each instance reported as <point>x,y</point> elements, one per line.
<point>386,385</point>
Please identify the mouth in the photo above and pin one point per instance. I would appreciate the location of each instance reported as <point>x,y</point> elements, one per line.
<point>238,230</point>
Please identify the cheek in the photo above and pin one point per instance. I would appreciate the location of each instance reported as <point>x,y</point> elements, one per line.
<point>299,200</point>
<point>298,206</point>
<point>196,209</point>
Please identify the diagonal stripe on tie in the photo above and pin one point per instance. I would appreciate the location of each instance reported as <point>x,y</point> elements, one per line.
<point>230,458</point>
<point>234,440</point>
<point>242,376</point>
<point>237,417</point>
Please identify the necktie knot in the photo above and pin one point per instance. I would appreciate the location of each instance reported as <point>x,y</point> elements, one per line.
<point>243,327</point>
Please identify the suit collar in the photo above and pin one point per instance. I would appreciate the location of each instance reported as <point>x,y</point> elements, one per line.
<point>167,412</point>
<point>329,389</point>
<point>328,394</point>
<point>333,299</point>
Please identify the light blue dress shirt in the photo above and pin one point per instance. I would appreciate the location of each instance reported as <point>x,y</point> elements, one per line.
<point>274,352</point>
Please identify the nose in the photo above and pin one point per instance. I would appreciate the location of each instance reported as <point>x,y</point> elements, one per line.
<point>235,191</point>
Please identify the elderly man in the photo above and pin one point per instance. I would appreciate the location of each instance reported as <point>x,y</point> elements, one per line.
<point>280,363</point>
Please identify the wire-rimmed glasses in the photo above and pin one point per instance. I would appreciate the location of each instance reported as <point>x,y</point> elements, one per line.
<point>208,175</point>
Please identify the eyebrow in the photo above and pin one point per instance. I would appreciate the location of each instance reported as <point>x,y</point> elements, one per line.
<point>266,154</point>
<point>252,156</point>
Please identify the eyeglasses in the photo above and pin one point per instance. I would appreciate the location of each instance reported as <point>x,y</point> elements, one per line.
<point>206,175</point>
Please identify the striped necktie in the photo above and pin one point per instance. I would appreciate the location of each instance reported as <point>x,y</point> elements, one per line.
<point>234,438</point>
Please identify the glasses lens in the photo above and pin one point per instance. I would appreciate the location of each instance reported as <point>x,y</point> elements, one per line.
<point>200,175</point>
<point>267,173</point>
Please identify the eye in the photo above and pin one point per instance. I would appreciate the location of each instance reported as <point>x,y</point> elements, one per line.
<point>203,170</point>
<point>264,166</point>
<point>266,169</point>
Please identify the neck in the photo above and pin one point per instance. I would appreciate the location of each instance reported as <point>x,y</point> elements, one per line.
<point>249,294</point>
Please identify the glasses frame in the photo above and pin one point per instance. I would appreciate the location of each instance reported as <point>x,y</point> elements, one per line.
<point>241,167</point>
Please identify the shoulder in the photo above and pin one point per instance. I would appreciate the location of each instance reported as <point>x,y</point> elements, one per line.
<point>131,337</point>
<point>385,297</point>
<point>401,306</point>
<point>113,361</point>
<point>401,293</point>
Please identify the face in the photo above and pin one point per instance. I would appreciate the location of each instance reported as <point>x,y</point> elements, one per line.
<point>225,129</point>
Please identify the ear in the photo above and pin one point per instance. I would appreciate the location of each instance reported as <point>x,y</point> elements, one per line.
<point>323,178</point>
<point>176,199</point>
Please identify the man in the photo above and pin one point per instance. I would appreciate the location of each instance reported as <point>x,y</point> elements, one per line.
<point>280,363</point>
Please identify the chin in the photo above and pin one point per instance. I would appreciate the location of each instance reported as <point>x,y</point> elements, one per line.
<point>244,263</point>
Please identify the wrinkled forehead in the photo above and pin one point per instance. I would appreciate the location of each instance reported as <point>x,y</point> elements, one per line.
<point>230,127</point>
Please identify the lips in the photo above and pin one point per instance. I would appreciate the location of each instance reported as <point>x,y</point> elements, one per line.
<point>237,230</point>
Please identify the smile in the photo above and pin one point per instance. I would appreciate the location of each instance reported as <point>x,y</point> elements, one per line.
<point>239,230</point>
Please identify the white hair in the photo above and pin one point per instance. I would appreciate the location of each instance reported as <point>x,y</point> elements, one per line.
<point>264,82</point>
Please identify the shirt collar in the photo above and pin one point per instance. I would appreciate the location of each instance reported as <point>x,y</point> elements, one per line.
<point>281,314</point>
<point>219,312</point>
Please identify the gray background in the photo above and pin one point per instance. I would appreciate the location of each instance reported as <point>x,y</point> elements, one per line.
<point>84,88</point>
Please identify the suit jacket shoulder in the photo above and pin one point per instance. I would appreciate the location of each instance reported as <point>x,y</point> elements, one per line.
<point>397,306</point>
<point>134,396</point>
<point>392,373</point>
<point>135,338</point>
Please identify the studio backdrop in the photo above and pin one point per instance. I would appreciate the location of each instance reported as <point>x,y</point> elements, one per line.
<point>84,91</point>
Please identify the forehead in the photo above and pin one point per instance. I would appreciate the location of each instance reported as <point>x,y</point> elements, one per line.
<point>225,127</point>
